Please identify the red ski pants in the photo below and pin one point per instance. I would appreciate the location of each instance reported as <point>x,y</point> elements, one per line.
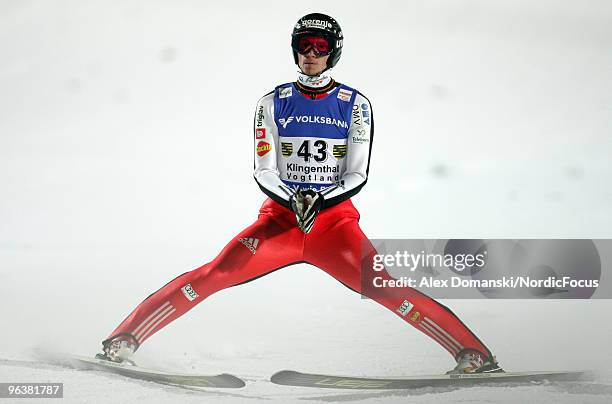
<point>274,241</point>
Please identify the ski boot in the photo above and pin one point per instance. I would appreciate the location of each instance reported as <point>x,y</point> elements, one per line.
<point>119,349</point>
<point>473,362</point>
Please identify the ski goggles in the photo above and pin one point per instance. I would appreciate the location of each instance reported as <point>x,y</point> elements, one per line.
<point>319,44</point>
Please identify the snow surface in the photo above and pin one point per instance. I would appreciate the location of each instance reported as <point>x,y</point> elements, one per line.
<point>117,119</point>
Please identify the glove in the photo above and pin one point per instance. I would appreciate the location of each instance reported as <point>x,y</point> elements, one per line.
<point>306,204</point>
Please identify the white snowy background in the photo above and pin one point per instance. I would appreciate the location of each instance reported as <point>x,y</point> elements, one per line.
<point>125,160</point>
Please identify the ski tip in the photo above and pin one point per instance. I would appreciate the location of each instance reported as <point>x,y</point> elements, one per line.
<point>231,381</point>
<point>280,376</point>
<point>576,374</point>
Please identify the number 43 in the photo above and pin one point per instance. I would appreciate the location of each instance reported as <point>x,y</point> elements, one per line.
<point>321,151</point>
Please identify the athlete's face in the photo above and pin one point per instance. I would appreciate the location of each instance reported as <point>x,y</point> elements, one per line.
<point>311,64</point>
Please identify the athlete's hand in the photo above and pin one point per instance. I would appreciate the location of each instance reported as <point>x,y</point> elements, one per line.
<point>306,204</point>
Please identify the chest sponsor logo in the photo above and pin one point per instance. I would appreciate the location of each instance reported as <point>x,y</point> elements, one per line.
<point>189,292</point>
<point>345,95</point>
<point>263,148</point>
<point>322,120</point>
<point>260,133</point>
<point>285,92</point>
<point>339,151</point>
<point>285,122</point>
<point>286,149</point>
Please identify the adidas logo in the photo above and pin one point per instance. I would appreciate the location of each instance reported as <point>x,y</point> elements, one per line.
<point>250,243</point>
<point>285,122</point>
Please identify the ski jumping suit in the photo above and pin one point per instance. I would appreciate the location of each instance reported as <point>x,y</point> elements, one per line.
<point>323,144</point>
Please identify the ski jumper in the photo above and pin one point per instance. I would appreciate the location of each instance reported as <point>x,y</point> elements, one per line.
<point>322,144</point>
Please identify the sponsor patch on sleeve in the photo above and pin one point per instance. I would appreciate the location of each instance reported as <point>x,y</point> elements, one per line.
<point>189,292</point>
<point>263,148</point>
<point>260,133</point>
<point>405,308</point>
<point>365,112</point>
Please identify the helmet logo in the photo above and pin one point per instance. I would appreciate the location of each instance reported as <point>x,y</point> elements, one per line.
<point>321,24</point>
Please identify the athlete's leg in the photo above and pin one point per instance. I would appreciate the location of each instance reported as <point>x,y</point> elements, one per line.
<point>335,244</point>
<point>268,244</point>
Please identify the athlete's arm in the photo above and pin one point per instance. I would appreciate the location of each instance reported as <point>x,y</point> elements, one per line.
<point>266,141</point>
<point>359,147</point>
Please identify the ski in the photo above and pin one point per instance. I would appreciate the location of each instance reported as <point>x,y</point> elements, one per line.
<point>223,380</point>
<point>292,378</point>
